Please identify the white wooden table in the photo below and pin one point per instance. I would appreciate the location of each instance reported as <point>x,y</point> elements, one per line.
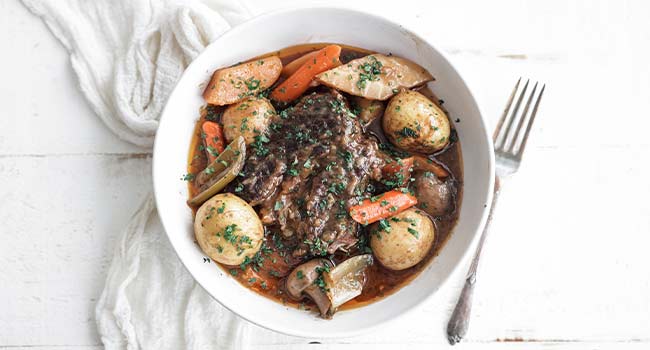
<point>567,264</point>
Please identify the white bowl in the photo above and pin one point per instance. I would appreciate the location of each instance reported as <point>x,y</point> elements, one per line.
<point>274,31</point>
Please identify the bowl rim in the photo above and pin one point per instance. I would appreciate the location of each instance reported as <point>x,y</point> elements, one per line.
<point>468,249</point>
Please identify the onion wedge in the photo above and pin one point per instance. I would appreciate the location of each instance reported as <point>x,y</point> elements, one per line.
<point>221,172</point>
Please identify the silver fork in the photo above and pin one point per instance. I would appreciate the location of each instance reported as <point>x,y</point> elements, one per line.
<point>509,145</point>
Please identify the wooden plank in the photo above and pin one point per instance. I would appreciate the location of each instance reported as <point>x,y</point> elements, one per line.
<point>60,218</point>
<point>515,345</point>
<point>54,347</point>
<point>466,346</point>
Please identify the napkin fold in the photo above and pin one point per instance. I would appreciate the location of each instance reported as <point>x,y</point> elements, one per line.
<point>128,56</point>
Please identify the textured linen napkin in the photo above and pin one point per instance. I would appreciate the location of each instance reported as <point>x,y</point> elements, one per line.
<point>128,56</point>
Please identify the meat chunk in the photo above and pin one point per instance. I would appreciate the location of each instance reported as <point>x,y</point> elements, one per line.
<point>314,164</point>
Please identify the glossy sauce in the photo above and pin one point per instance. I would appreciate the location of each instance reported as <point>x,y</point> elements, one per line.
<point>380,281</point>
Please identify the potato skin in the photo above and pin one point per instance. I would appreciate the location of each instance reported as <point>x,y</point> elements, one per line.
<point>248,118</point>
<point>414,123</point>
<point>400,249</point>
<point>228,229</point>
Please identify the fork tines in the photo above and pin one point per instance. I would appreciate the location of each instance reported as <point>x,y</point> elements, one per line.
<point>510,140</point>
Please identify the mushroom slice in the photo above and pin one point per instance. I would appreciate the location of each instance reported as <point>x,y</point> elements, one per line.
<point>328,287</point>
<point>303,280</point>
<point>221,172</point>
<point>375,77</point>
<point>345,281</point>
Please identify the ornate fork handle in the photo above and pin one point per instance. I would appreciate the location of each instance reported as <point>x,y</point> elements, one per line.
<point>459,321</point>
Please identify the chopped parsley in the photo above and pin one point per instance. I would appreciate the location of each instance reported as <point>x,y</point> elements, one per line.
<point>392,151</point>
<point>384,225</point>
<point>252,83</point>
<point>415,233</point>
<point>336,188</point>
<point>259,145</point>
<point>370,71</point>
<point>221,209</point>
<point>346,156</point>
<point>320,281</point>
<point>408,132</point>
<point>316,246</point>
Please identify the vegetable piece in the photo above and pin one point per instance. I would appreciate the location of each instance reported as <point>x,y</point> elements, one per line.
<point>220,173</point>
<point>369,110</point>
<point>303,280</point>
<point>375,77</point>
<point>212,140</point>
<point>403,240</point>
<point>435,195</point>
<point>293,66</point>
<point>329,287</point>
<point>228,229</point>
<point>382,206</point>
<point>233,84</point>
<point>414,123</point>
<point>248,118</point>
<point>345,281</point>
<point>399,170</point>
<point>426,164</point>
<point>299,81</point>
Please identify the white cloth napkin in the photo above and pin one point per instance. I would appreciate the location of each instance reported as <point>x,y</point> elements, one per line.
<point>128,56</point>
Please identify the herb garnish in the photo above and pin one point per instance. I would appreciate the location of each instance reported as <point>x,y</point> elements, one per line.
<point>370,71</point>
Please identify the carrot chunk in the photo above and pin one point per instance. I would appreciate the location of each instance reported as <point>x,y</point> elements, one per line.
<point>425,164</point>
<point>293,66</point>
<point>297,83</point>
<point>381,207</point>
<point>212,140</point>
<point>399,170</point>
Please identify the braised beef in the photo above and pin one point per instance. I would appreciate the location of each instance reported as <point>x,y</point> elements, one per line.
<point>314,164</point>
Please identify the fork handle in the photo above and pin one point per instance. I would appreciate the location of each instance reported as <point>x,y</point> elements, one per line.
<point>459,321</point>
